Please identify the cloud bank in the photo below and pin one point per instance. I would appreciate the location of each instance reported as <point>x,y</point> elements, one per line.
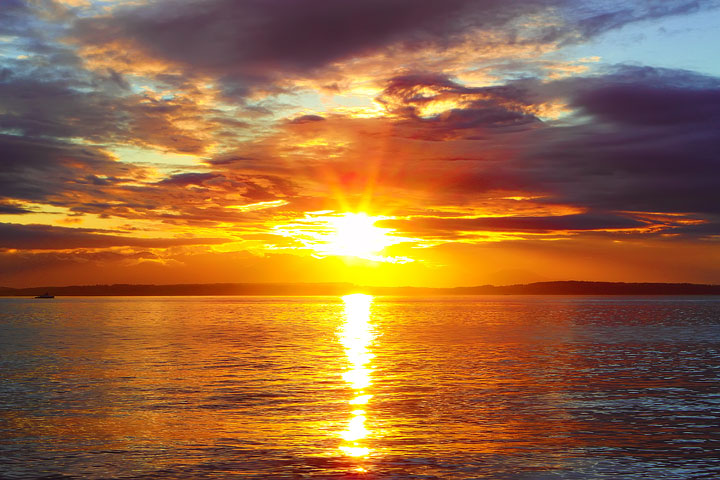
<point>200,127</point>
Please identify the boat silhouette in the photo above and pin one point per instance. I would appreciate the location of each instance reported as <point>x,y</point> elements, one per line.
<point>45,295</point>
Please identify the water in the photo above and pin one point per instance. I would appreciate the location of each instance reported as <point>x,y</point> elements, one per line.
<point>313,387</point>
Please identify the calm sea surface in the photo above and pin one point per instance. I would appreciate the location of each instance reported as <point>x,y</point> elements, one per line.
<point>360,387</point>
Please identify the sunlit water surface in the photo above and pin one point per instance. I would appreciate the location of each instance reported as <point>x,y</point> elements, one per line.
<point>356,387</point>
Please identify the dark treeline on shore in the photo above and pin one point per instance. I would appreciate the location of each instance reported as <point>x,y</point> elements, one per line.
<point>291,289</point>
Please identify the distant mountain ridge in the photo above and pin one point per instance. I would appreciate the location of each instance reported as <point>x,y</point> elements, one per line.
<point>297,289</point>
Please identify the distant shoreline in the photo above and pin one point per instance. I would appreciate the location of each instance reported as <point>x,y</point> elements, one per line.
<point>332,289</point>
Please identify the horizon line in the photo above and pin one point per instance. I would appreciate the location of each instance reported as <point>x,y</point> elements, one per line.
<point>557,287</point>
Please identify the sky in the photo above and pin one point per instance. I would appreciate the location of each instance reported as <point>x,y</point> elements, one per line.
<point>379,142</point>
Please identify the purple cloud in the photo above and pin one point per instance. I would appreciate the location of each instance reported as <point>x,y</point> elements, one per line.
<point>645,146</point>
<point>435,226</point>
<point>45,237</point>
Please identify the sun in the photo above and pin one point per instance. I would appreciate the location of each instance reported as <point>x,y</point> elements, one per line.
<point>355,235</point>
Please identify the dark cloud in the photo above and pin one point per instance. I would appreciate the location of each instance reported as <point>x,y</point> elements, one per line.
<point>709,230</point>
<point>190,178</point>
<point>104,180</point>
<point>37,169</point>
<point>256,187</point>
<point>307,119</point>
<point>191,198</point>
<point>591,24</point>
<point>635,97</point>
<point>45,237</point>
<point>54,90</point>
<point>643,146</point>
<point>231,160</point>
<point>14,17</point>
<point>252,44</point>
<point>476,108</point>
<point>11,209</point>
<point>434,226</point>
<point>248,42</point>
<point>35,107</point>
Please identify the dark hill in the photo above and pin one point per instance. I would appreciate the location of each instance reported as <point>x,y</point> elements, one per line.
<point>290,289</point>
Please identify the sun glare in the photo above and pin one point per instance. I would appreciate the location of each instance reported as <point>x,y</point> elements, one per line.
<point>355,235</point>
<point>356,335</point>
<point>352,235</point>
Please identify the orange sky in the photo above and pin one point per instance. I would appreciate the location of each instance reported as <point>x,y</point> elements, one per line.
<point>403,142</point>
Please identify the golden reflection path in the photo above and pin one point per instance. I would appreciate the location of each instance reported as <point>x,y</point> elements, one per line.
<point>356,335</point>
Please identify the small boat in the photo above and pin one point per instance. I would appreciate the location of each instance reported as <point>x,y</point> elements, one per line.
<point>45,295</point>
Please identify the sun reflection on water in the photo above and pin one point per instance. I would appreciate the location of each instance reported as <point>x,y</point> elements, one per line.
<point>356,334</point>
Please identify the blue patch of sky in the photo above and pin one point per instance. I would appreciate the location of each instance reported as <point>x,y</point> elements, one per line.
<point>687,42</point>
<point>10,47</point>
<point>286,104</point>
<point>310,101</point>
<point>163,161</point>
<point>100,7</point>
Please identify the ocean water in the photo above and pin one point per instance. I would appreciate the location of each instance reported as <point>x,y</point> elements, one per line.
<point>360,387</point>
